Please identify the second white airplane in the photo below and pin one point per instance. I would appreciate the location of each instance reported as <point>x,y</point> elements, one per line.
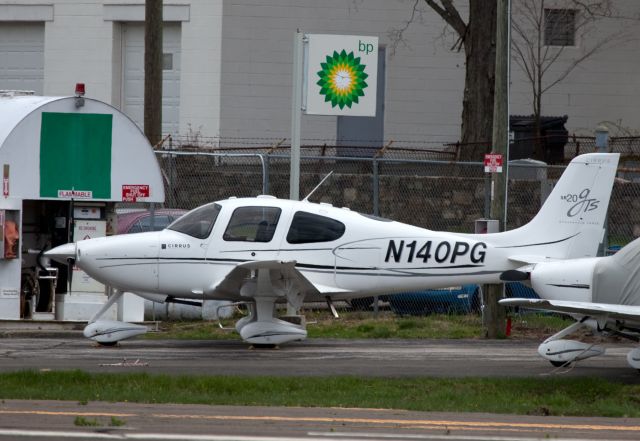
<point>600,293</point>
<point>265,250</point>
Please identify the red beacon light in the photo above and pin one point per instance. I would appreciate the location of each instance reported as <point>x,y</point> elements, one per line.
<point>79,89</point>
<point>79,94</point>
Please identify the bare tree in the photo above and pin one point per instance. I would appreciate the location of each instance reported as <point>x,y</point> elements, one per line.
<point>543,30</point>
<point>476,37</point>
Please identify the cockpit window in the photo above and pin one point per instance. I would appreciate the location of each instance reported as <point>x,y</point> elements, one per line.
<point>252,224</point>
<point>309,228</point>
<point>197,223</point>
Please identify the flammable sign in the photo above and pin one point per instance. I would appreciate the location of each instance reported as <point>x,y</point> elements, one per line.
<point>493,163</point>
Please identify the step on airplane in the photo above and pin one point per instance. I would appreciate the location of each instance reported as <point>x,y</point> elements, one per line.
<point>264,250</point>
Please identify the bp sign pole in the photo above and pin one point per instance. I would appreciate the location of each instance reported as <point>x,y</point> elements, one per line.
<point>296,116</point>
<point>332,75</point>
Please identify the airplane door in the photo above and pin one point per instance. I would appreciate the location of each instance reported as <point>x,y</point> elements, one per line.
<point>183,268</point>
<point>356,265</point>
<point>251,233</point>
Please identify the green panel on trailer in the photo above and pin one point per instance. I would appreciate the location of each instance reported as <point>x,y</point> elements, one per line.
<point>75,155</point>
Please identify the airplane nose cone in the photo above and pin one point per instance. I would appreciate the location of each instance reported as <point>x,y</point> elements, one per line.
<point>62,253</point>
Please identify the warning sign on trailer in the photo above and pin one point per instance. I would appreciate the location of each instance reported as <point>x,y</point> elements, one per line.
<point>133,192</point>
<point>493,163</point>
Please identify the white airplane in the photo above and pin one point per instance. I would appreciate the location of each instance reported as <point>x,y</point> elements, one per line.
<point>601,293</point>
<point>265,250</point>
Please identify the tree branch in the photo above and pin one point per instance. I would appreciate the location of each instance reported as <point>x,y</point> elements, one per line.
<point>449,14</point>
<point>396,36</point>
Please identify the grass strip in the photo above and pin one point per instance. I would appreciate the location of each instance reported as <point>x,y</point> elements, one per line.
<point>537,396</point>
<point>385,325</point>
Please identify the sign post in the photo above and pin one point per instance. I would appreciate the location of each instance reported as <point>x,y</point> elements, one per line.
<point>296,116</point>
<point>334,75</point>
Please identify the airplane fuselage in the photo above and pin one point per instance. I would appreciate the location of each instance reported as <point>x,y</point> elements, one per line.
<point>349,253</point>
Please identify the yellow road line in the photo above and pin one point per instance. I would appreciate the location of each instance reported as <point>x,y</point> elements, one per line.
<point>378,421</point>
<point>65,413</point>
<point>401,422</point>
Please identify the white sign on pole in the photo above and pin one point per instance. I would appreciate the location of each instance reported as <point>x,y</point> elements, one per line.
<point>342,75</point>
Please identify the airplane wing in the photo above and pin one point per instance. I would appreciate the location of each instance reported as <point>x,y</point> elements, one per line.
<point>232,283</point>
<point>622,312</point>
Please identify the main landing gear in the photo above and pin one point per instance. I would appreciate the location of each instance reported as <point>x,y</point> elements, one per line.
<point>562,352</point>
<point>261,327</point>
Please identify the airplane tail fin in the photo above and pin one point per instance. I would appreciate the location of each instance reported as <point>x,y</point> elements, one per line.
<point>571,222</point>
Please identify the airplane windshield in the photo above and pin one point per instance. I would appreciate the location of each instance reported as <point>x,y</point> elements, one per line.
<point>197,223</point>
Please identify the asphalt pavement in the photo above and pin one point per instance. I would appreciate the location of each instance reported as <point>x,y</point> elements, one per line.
<point>39,420</point>
<point>312,357</point>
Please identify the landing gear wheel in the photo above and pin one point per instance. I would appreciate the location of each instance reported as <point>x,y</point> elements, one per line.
<point>263,346</point>
<point>107,343</point>
<point>560,363</point>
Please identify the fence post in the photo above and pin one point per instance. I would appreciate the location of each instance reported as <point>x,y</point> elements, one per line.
<point>602,146</point>
<point>487,195</point>
<point>264,159</point>
<point>172,175</point>
<point>376,188</point>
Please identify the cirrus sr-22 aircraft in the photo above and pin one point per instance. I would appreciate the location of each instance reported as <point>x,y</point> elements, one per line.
<point>264,250</point>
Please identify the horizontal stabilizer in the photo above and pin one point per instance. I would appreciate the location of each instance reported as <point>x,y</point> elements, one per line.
<point>514,276</point>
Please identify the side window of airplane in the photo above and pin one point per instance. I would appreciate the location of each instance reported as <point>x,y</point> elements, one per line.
<point>309,228</point>
<point>252,224</point>
<point>197,223</point>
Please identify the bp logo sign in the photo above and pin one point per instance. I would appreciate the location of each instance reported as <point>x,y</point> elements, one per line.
<point>342,75</point>
<point>342,79</point>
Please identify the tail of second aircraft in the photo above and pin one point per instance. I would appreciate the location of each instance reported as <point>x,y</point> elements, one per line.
<point>571,222</point>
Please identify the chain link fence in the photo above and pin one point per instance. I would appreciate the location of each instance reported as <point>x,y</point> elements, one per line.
<point>415,184</point>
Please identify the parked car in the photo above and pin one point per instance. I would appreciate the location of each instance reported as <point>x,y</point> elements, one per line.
<point>138,221</point>
<point>457,299</point>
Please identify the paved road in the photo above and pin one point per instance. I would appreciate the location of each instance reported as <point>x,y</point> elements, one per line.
<point>36,420</point>
<point>53,420</point>
<point>317,357</point>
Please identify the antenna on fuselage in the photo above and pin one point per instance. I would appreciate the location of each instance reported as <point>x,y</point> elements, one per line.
<point>306,199</point>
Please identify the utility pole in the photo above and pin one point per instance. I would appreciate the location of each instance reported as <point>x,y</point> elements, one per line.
<point>495,314</point>
<point>153,71</point>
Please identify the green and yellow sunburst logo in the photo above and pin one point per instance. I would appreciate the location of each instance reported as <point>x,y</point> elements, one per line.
<point>342,79</point>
